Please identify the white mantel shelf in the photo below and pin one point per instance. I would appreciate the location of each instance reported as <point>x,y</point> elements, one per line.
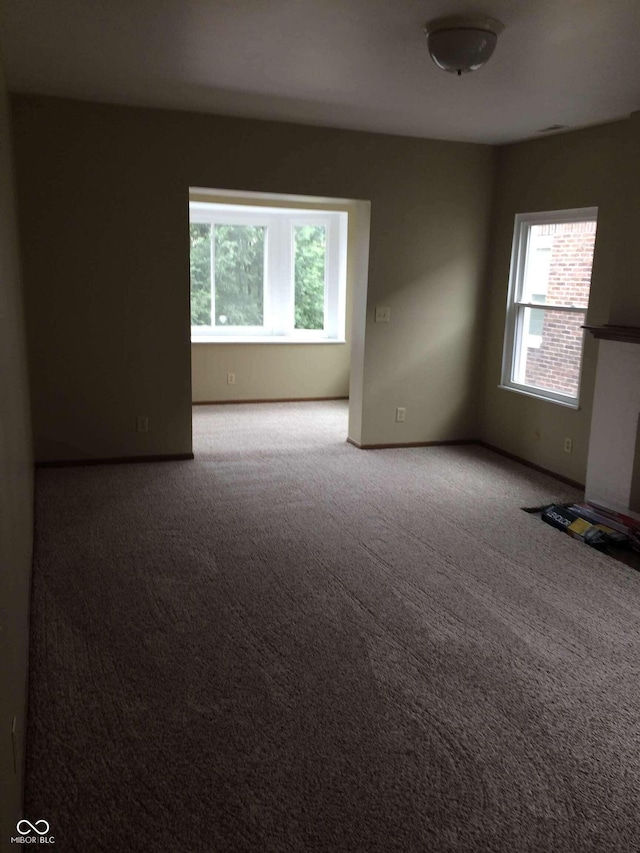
<point>627,334</point>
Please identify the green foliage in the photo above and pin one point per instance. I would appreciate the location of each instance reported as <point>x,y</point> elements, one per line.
<point>200,243</point>
<point>310,249</point>
<point>239,256</point>
<point>239,275</point>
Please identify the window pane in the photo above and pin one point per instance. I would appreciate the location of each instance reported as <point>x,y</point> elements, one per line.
<point>533,325</point>
<point>536,275</point>
<point>559,261</point>
<point>200,242</point>
<point>549,357</point>
<point>239,275</point>
<point>309,275</point>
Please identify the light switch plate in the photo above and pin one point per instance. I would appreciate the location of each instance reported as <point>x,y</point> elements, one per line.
<point>383,314</point>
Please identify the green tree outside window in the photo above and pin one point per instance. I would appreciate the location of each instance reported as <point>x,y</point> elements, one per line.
<point>309,275</point>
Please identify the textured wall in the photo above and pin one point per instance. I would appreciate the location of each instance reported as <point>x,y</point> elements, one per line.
<point>16,497</point>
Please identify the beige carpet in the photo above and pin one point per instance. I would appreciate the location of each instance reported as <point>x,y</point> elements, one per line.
<point>293,645</point>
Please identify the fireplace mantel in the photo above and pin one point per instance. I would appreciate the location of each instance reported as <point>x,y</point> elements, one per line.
<point>627,334</point>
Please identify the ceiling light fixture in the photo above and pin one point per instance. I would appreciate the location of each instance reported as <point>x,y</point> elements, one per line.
<point>462,44</point>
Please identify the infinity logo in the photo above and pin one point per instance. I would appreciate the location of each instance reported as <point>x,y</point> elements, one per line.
<point>32,827</point>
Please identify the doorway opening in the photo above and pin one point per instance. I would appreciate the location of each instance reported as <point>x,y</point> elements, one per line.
<point>278,300</point>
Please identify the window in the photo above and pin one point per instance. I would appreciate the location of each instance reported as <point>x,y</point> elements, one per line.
<point>267,273</point>
<point>549,287</point>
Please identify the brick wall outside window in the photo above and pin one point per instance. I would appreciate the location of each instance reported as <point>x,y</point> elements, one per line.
<point>555,365</point>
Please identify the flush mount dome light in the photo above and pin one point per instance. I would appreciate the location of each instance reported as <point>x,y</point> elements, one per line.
<point>460,45</point>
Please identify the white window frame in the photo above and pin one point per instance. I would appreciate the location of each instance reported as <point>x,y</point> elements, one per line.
<point>279,284</point>
<point>516,307</point>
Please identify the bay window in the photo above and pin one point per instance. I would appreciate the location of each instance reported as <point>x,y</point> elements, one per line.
<point>267,273</point>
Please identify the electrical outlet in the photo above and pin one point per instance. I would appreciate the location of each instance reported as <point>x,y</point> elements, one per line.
<point>231,379</point>
<point>143,423</point>
<point>401,413</point>
<point>568,445</point>
<point>382,315</point>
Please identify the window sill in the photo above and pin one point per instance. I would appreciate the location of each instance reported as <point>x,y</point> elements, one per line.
<point>283,340</point>
<point>527,392</point>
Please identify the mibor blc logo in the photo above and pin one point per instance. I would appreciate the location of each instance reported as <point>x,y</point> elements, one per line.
<point>33,833</point>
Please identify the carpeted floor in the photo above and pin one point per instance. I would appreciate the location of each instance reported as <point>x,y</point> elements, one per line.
<point>293,645</point>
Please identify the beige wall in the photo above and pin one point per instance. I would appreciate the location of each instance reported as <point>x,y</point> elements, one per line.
<point>427,257</point>
<point>269,371</point>
<point>592,167</point>
<point>103,208</point>
<point>625,301</point>
<point>16,498</point>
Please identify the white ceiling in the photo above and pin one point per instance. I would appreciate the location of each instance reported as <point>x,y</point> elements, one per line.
<point>360,64</point>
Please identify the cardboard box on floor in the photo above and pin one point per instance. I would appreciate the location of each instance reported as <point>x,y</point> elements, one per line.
<point>604,529</point>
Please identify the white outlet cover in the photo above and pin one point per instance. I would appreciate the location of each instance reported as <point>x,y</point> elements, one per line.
<point>383,314</point>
